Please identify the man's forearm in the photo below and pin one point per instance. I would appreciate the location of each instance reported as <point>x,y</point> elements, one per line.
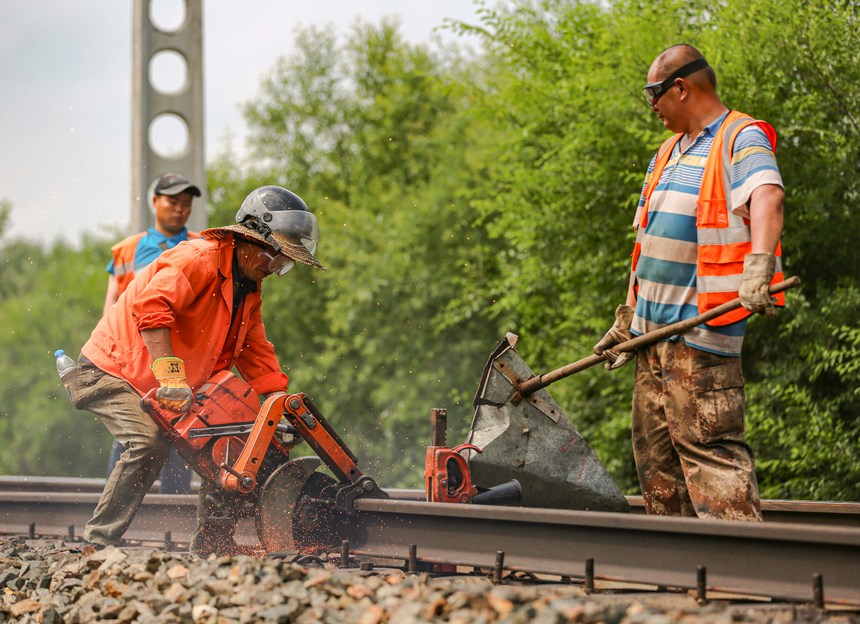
<point>766,218</point>
<point>157,342</point>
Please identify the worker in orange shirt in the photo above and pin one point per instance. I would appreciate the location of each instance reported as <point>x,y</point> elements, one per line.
<point>171,204</point>
<point>194,311</point>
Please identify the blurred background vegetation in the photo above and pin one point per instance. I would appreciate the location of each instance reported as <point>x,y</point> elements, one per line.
<point>471,190</point>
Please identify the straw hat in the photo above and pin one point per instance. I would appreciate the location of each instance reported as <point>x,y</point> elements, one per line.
<point>289,247</point>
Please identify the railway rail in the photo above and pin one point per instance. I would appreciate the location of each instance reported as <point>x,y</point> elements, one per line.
<point>804,551</point>
<point>785,511</point>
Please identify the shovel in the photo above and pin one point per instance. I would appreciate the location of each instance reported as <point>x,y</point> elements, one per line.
<point>675,329</point>
<point>525,435</point>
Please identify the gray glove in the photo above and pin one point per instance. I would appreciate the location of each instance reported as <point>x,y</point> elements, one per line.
<point>753,293</point>
<point>177,399</point>
<point>619,332</point>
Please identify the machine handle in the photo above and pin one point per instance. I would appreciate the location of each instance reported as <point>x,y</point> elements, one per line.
<point>466,447</point>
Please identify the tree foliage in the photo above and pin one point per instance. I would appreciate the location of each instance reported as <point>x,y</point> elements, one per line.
<point>463,193</point>
<point>49,299</point>
<point>370,134</point>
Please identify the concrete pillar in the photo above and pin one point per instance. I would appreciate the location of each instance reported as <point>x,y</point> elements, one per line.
<point>184,106</point>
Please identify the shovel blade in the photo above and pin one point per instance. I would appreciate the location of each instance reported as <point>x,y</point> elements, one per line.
<point>533,442</point>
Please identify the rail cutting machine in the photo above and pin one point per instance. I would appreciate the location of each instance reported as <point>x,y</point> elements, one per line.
<point>245,449</point>
<point>521,448</point>
<point>228,438</point>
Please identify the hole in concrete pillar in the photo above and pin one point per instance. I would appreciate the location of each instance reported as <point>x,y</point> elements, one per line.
<point>168,72</point>
<point>168,135</point>
<point>167,15</point>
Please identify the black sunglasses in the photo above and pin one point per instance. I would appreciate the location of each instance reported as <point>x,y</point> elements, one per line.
<point>654,90</point>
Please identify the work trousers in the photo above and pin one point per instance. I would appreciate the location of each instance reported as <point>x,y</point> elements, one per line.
<point>117,404</point>
<point>688,434</point>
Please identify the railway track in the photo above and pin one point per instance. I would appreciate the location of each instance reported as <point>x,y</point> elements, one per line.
<point>804,551</point>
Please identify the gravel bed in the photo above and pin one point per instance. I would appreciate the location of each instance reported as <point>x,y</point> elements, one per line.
<point>49,582</point>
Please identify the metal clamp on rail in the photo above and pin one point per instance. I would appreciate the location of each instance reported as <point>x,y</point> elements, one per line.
<point>345,496</point>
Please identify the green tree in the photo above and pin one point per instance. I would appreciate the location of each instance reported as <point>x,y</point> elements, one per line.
<point>801,75</point>
<point>565,95</point>
<point>49,299</point>
<point>804,409</point>
<point>369,134</point>
<point>464,194</point>
<point>461,197</point>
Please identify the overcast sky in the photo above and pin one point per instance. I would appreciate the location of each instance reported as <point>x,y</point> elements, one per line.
<point>65,93</point>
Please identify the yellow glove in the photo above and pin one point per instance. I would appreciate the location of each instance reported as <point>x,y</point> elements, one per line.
<point>175,393</point>
<point>619,332</point>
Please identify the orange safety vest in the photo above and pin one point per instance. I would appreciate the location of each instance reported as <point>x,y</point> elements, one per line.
<point>723,237</point>
<point>123,258</point>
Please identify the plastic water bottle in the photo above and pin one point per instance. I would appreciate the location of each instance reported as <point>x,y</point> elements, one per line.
<point>65,364</point>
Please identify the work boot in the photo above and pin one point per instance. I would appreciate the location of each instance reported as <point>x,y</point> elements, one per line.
<point>204,545</point>
<point>214,536</point>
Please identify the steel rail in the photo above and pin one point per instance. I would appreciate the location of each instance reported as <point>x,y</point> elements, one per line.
<point>791,511</point>
<point>27,483</point>
<point>772,558</point>
<point>64,513</point>
<point>779,561</point>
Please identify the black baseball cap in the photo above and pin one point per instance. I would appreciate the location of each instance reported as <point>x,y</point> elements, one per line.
<point>174,184</point>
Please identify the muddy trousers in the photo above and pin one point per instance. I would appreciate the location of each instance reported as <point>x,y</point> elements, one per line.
<point>117,404</point>
<point>688,434</point>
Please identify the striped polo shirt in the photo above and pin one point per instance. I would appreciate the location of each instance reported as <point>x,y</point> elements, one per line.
<point>666,271</point>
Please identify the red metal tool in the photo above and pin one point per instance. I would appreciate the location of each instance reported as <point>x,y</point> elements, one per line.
<point>446,475</point>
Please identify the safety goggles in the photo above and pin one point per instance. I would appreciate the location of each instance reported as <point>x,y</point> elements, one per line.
<point>276,263</point>
<point>655,90</point>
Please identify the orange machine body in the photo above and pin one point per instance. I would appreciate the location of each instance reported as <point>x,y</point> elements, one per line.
<point>226,434</point>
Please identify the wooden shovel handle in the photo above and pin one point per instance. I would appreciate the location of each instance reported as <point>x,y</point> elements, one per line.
<point>541,381</point>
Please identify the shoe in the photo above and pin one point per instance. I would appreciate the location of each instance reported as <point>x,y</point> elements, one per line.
<point>214,536</point>
<point>219,546</point>
<point>88,548</point>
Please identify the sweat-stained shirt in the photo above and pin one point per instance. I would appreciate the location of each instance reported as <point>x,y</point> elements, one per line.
<point>188,289</point>
<point>666,270</point>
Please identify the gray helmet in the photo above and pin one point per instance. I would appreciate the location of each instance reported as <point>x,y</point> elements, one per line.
<point>276,213</point>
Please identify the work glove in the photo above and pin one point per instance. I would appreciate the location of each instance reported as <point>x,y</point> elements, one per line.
<point>619,332</point>
<point>175,393</point>
<point>753,293</point>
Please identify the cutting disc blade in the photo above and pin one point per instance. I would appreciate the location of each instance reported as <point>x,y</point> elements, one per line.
<point>278,499</point>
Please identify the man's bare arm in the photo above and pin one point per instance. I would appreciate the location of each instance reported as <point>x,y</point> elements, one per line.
<point>766,217</point>
<point>157,342</point>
